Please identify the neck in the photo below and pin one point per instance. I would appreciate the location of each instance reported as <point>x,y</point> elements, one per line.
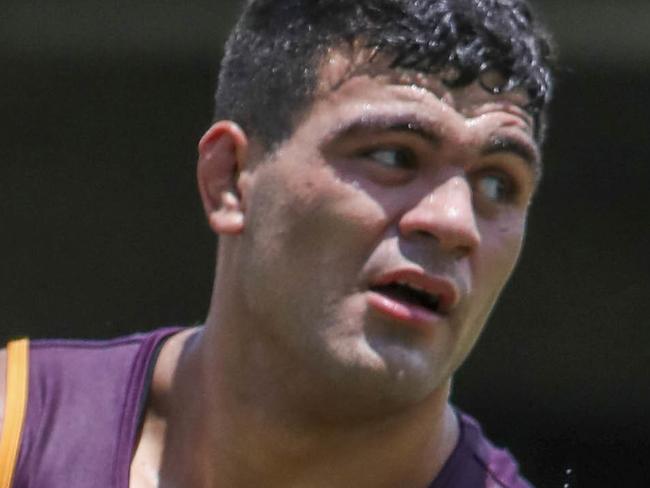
<point>240,417</point>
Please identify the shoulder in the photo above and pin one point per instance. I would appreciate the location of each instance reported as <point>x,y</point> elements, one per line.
<point>58,365</point>
<point>78,357</point>
<point>88,394</point>
<point>499,464</point>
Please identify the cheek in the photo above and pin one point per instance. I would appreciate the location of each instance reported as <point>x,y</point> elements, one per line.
<point>491,267</point>
<point>313,222</point>
<point>312,236</point>
<point>501,244</point>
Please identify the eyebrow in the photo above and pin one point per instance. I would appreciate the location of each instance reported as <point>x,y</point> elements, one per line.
<point>407,123</point>
<point>525,150</point>
<point>428,130</point>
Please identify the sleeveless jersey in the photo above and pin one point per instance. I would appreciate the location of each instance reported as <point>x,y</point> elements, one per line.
<point>85,402</point>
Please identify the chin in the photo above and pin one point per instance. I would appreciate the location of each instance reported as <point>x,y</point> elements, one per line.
<point>382,378</point>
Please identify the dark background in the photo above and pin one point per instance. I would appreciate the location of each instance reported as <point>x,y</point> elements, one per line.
<point>102,104</point>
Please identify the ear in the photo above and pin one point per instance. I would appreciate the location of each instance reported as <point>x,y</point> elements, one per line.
<point>222,153</point>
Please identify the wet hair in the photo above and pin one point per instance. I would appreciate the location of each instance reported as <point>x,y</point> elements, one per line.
<point>270,69</point>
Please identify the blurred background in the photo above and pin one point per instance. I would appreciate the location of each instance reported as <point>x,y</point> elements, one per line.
<point>101,107</point>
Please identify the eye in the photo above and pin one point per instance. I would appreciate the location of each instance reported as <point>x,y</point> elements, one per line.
<point>496,187</point>
<point>396,158</point>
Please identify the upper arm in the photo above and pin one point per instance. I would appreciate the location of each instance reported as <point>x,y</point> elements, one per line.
<point>3,384</point>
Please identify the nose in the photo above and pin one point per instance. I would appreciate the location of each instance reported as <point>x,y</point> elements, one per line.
<point>445,213</point>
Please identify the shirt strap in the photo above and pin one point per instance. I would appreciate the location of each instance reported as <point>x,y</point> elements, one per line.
<point>15,408</point>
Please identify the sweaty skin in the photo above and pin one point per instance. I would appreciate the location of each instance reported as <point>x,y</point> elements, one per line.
<point>296,378</point>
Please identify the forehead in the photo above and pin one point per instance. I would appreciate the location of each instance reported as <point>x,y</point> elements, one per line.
<point>355,96</point>
<point>346,75</point>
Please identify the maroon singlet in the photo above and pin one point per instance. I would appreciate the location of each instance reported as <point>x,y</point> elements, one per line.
<point>85,407</point>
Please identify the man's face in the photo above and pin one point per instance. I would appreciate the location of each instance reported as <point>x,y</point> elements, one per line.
<point>378,237</point>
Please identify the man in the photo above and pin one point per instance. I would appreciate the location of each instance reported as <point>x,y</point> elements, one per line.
<point>368,176</point>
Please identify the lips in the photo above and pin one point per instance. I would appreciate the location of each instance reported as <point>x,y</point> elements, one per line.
<point>414,296</point>
<point>403,292</point>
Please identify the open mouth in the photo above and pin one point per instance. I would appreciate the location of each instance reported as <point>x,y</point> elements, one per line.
<point>405,293</point>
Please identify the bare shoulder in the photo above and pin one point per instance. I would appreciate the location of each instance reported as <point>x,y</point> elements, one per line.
<point>3,385</point>
<point>168,360</point>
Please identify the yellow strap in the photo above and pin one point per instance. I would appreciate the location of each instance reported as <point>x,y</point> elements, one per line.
<point>15,407</point>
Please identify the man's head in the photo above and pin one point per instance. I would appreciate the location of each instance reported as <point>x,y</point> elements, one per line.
<point>270,69</point>
<point>365,252</point>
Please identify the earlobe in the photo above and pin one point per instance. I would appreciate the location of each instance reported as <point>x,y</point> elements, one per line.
<point>229,217</point>
<point>222,154</point>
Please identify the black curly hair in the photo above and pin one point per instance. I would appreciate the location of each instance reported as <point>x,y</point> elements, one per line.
<point>270,68</point>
